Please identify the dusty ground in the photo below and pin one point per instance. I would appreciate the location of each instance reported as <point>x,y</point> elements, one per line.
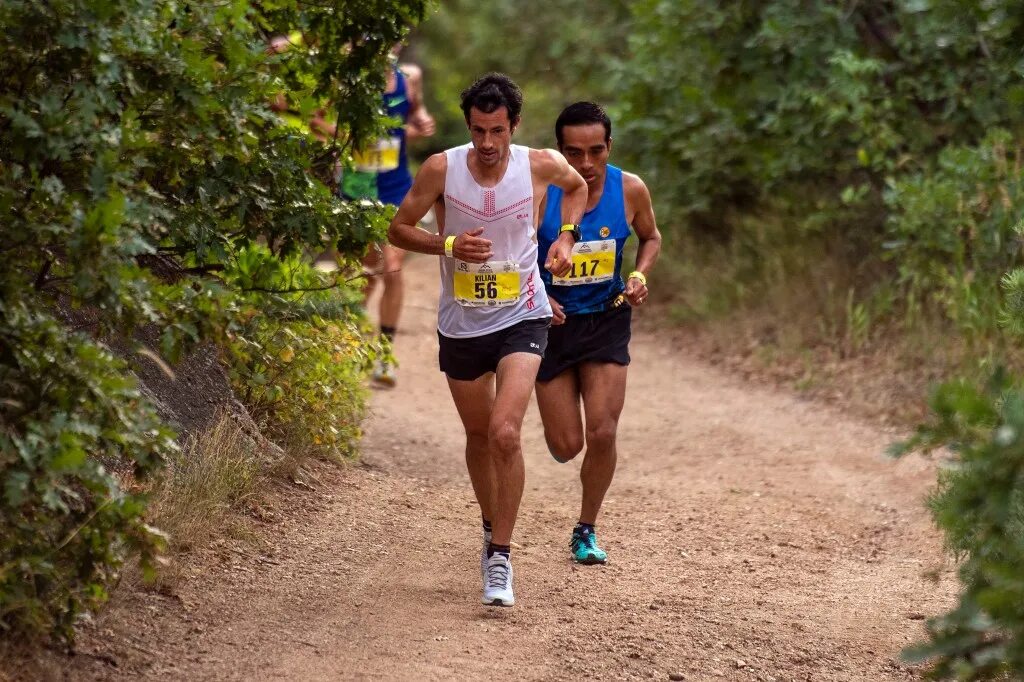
<point>752,535</point>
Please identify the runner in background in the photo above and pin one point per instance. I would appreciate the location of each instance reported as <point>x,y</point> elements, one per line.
<point>493,314</point>
<point>314,124</point>
<point>588,345</point>
<point>382,173</point>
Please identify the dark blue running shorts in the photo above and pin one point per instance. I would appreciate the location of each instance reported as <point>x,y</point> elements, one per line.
<point>591,337</point>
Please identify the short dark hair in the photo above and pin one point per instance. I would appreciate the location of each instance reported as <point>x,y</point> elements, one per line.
<point>583,113</point>
<point>490,92</point>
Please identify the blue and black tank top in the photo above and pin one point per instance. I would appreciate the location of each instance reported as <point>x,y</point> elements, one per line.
<point>595,279</point>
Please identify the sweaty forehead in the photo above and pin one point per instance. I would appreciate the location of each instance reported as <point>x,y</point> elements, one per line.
<point>496,118</point>
<point>584,136</point>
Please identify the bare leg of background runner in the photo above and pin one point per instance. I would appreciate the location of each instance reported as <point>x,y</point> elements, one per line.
<point>391,278</point>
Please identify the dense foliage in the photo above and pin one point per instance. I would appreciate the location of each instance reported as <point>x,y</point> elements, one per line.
<point>979,506</point>
<point>863,132</point>
<point>142,173</point>
<point>297,360</point>
<point>851,148</point>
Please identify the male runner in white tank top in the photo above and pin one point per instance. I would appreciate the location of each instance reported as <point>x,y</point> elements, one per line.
<point>493,312</point>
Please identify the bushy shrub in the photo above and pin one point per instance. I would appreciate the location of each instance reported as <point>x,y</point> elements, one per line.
<point>298,360</point>
<point>73,425</point>
<point>978,504</point>
<point>815,131</point>
<point>139,157</point>
<point>952,231</point>
<point>554,62</point>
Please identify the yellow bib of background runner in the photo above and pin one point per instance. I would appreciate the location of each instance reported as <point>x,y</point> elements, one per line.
<point>486,284</point>
<point>380,158</point>
<point>592,262</point>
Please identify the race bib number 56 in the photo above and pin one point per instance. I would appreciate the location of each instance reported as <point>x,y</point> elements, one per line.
<point>494,284</point>
<point>592,262</point>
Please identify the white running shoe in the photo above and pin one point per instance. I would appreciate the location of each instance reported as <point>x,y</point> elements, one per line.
<point>384,375</point>
<point>498,581</point>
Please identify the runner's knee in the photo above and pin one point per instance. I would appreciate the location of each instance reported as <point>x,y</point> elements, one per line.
<point>393,261</point>
<point>391,277</point>
<point>564,446</point>
<point>503,437</point>
<point>476,438</point>
<point>602,433</point>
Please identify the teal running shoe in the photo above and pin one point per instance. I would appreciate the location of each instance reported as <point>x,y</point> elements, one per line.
<point>584,547</point>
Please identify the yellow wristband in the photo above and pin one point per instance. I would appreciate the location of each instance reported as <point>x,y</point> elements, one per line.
<point>638,275</point>
<point>449,245</point>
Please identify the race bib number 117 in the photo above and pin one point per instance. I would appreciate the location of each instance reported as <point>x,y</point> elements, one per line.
<point>592,262</point>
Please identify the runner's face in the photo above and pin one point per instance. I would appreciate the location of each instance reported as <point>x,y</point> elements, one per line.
<point>491,134</point>
<point>585,149</point>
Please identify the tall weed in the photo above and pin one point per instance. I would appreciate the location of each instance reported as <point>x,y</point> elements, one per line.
<point>213,471</point>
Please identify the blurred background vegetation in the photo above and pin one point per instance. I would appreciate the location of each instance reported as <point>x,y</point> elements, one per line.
<point>850,167</point>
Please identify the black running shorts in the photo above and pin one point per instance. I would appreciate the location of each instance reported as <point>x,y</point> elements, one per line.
<point>591,337</point>
<point>466,359</point>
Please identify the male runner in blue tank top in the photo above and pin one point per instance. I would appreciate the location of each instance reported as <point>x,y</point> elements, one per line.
<point>385,176</point>
<point>588,343</point>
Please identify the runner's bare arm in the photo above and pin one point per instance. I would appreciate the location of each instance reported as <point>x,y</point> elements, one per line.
<point>550,168</point>
<point>321,127</point>
<point>641,211</point>
<point>574,187</point>
<point>427,187</point>
<point>420,122</point>
<point>557,314</point>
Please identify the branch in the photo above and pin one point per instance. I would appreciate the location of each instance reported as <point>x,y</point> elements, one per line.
<point>294,290</point>
<point>335,284</point>
<point>40,280</point>
<point>203,269</point>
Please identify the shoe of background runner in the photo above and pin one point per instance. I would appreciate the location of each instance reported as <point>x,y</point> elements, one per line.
<point>483,555</point>
<point>498,581</point>
<point>585,550</point>
<point>384,374</point>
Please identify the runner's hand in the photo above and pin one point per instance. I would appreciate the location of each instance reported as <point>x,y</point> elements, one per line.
<point>558,315</point>
<point>471,247</point>
<point>559,259</point>
<point>426,125</point>
<point>636,291</point>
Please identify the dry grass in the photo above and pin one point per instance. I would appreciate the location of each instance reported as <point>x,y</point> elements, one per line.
<point>214,472</point>
<point>822,328</point>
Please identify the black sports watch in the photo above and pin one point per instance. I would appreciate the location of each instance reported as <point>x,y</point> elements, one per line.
<point>577,236</point>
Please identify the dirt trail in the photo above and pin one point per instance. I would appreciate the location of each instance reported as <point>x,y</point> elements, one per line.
<point>752,536</point>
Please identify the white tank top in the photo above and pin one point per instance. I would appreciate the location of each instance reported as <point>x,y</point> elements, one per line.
<point>481,299</point>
